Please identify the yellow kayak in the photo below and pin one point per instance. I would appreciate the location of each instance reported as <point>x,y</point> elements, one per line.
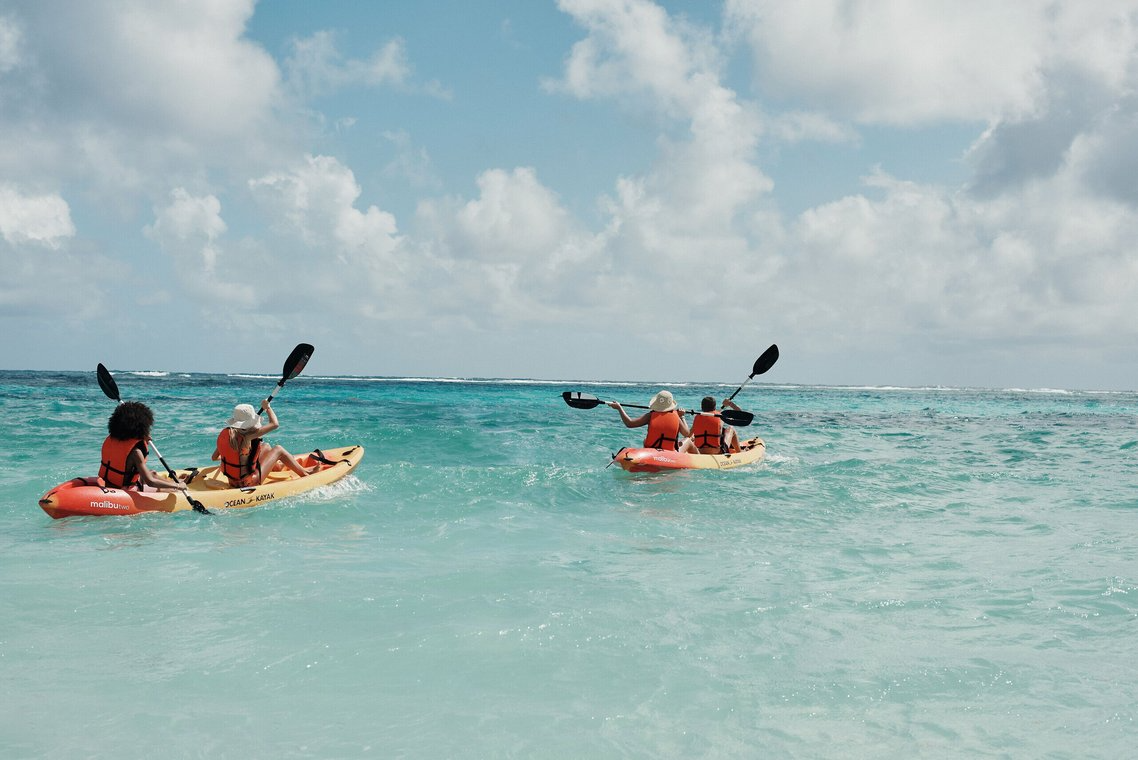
<point>90,496</point>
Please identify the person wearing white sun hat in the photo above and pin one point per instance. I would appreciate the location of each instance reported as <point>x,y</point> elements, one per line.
<point>245,459</point>
<point>665,422</point>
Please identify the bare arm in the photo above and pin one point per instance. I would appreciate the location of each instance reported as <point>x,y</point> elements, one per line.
<point>628,421</point>
<point>273,422</point>
<point>148,477</point>
<point>684,429</point>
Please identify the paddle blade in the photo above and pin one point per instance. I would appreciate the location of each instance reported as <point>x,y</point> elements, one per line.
<point>107,383</point>
<point>766,361</point>
<point>737,418</point>
<point>579,400</point>
<point>295,362</point>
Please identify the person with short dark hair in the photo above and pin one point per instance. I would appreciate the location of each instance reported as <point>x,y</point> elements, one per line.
<point>124,453</point>
<point>709,434</point>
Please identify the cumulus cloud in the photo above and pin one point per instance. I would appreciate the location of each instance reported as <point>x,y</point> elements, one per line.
<point>913,63</point>
<point>312,251</point>
<point>898,63</point>
<point>43,219</point>
<point>701,182</point>
<point>189,229</point>
<point>1027,251</point>
<point>512,253</point>
<point>121,98</point>
<point>184,69</point>
<point>316,199</point>
<point>38,271</point>
<point>514,217</point>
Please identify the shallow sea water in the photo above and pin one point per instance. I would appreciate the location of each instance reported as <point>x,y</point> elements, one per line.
<point>910,572</point>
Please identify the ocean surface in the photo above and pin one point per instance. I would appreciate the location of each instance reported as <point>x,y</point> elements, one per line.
<point>910,573</point>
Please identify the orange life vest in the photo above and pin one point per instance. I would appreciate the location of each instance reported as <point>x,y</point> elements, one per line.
<point>663,428</point>
<point>114,468</point>
<point>707,432</point>
<point>239,466</point>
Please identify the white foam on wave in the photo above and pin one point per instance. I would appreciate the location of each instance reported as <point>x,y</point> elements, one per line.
<point>471,380</point>
<point>148,373</point>
<point>497,381</point>
<point>780,459</point>
<point>344,487</point>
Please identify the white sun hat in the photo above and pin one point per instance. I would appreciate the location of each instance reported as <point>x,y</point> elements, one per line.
<point>662,402</point>
<point>244,417</point>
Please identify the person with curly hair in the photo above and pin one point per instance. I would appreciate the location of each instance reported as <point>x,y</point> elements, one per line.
<point>123,460</point>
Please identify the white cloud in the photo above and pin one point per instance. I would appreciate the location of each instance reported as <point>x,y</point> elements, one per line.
<point>513,253</point>
<point>910,63</point>
<point>43,219</point>
<point>128,97</point>
<point>317,67</point>
<point>40,275</point>
<point>514,217</point>
<point>1038,256</point>
<point>182,69</point>
<point>914,267</point>
<point>189,228</point>
<point>634,48</point>
<point>316,199</point>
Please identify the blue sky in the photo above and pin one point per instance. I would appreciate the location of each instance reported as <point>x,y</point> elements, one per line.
<point>896,194</point>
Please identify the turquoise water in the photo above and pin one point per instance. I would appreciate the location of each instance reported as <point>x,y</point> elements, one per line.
<point>910,573</point>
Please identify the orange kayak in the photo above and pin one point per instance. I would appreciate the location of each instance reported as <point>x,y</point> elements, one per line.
<point>659,460</point>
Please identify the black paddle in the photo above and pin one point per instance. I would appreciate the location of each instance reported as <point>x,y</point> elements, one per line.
<point>111,388</point>
<point>293,366</point>
<point>579,400</point>
<point>762,364</point>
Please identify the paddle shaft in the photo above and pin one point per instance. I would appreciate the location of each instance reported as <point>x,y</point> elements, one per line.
<point>269,400</point>
<point>730,416</point>
<point>736,393</point>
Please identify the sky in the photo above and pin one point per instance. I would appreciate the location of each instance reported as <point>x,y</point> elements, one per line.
<point>896,193</point>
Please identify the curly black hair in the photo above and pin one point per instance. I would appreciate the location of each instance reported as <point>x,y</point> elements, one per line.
<point>131,419</point>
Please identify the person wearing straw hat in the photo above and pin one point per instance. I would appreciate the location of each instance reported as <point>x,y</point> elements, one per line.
<point>665,422</point>
<point>245,459</point>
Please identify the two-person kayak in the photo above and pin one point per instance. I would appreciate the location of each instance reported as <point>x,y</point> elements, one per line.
<point>661,460</point>
<point>90,496</point>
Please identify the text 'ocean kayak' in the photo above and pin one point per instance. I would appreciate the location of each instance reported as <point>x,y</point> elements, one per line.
<point>659,460</point>
<point>89,496</point>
